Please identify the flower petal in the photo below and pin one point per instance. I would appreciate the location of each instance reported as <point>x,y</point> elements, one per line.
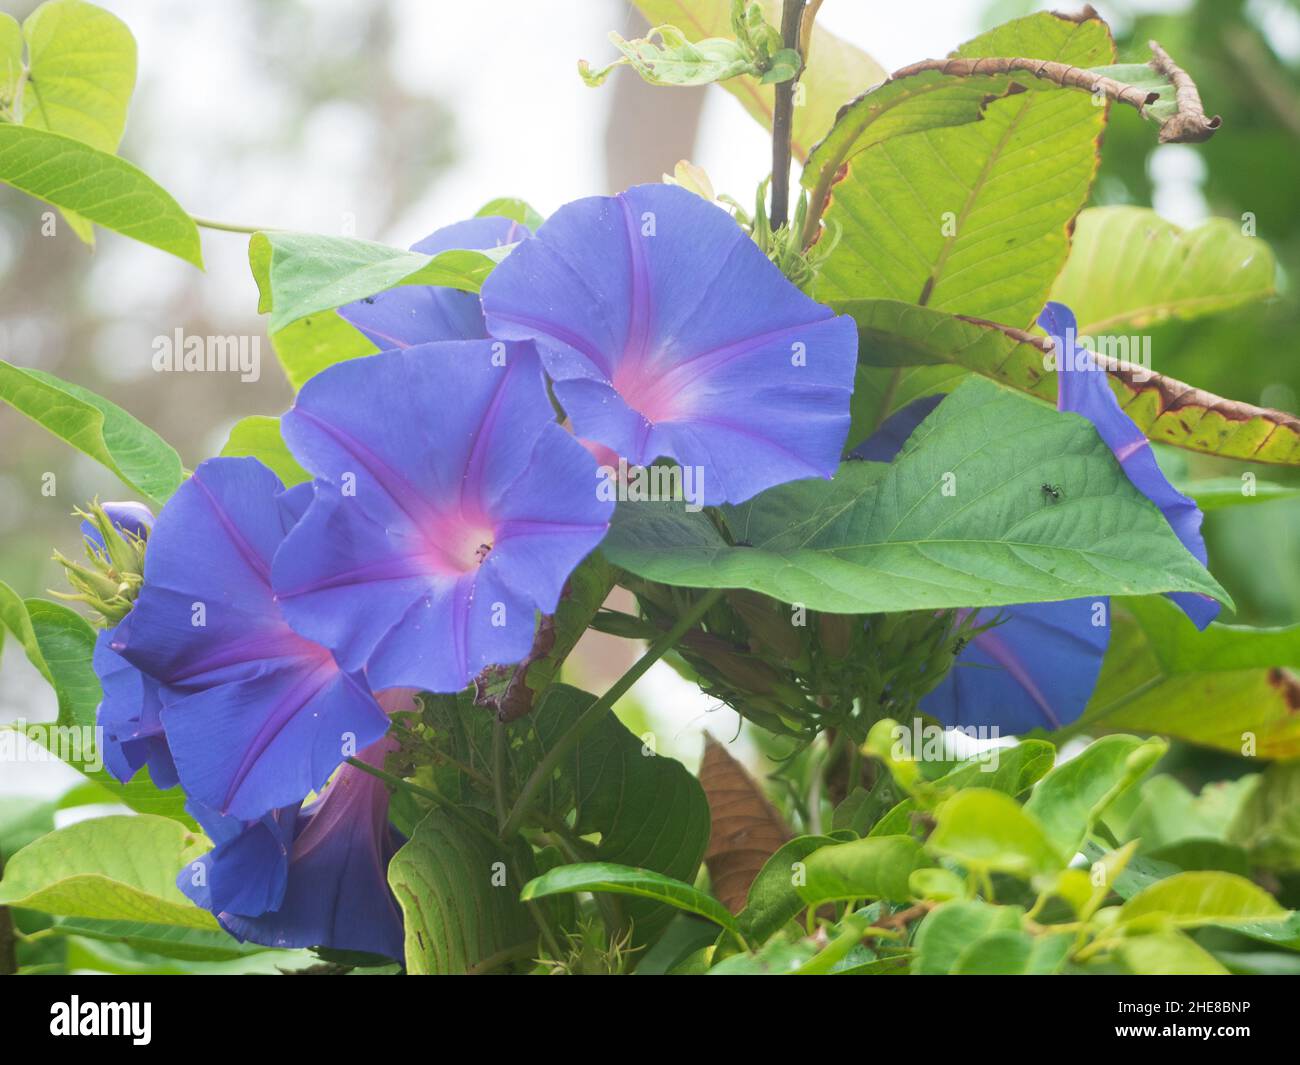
<point>433,534</point>
<point>1084,388</point>
<point>250,746</point>
<point>414,314</point>
<point>335,891</point>
<point>1036,669</point>
<point>668,333</point>
<point>128,716</point>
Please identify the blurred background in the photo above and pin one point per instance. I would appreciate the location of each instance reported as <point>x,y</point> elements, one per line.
<point>386,120</point>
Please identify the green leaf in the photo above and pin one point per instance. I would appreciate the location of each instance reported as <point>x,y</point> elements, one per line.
<point>98,186</point>
<point>625,880</point>
<point>143,461</point>
<point>836,70</point>
<point>109,868</point>
<point>650,812</point>
<point>515,209</point>
<point>987,830</point>
<point>1130,269</point>
<point>1267,823</point>
<point>459,893</point>
<point>880,392</point>
<point>309,345</point>
<point>894,333</point>
<point>906,351</point>
<point>916,211</point>
<point>1191,900</point>
<point>1218,493</point>
<point>1227,687</point>
<point>1167,954</point>
<point>773,901</point>
<point>81,71</point>
<point>1013,953</point>
<point>259,436</point>
<point>952,927</point>
<point>877,867</point>
<point>1166,813</point>
<point>777,958</point>
<point>300,274</point>
<point>1069,800</point>
<point>59,643</point>
<point>170,941</point>
<point>880,538</point>
<point>673,59</point>
<point>1011,770</point>
<point>11,62</point>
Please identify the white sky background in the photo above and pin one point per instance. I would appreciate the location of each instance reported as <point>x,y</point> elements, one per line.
<point>526,126</point>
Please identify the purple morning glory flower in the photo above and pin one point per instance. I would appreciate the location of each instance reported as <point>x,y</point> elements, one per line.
<point>133,518</point>
<point>129,714</point>
<point>411,314</point>
<point>669,334</point>
<point>1085,389</point>
<point>448,506</point>
<point>131,731</point>
<point>256,717</point>
<point>315,876</point>
<point>1037,667</point>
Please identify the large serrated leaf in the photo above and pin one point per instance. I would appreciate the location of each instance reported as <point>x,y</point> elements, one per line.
<point>881,538</point>
<point>974,218</point>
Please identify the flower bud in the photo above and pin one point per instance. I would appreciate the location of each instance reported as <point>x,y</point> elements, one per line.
<point>114,535</point>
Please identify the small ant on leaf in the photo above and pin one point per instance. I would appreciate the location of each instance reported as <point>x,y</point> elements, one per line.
<point>1051,492</point>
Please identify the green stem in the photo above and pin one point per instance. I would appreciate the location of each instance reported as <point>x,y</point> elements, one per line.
<point>499,770</point>
<point>595,713</point>
<point>231,227</point>
<point>442,802</point>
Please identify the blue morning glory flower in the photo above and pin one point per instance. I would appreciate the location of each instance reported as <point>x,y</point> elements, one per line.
<point>669,334</point>
<point>448,506</point>
<point>1037,667</point>
<point>256,717</point>
<point>414,314</point>
<point>310,876</point>
<point>1085,389</point>
<point>129,715</point>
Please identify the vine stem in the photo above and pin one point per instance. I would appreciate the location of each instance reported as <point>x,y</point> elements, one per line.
<point>441,801</point>
<point>783,118</point>
<point>596,712</point>
<point>230,227</point>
